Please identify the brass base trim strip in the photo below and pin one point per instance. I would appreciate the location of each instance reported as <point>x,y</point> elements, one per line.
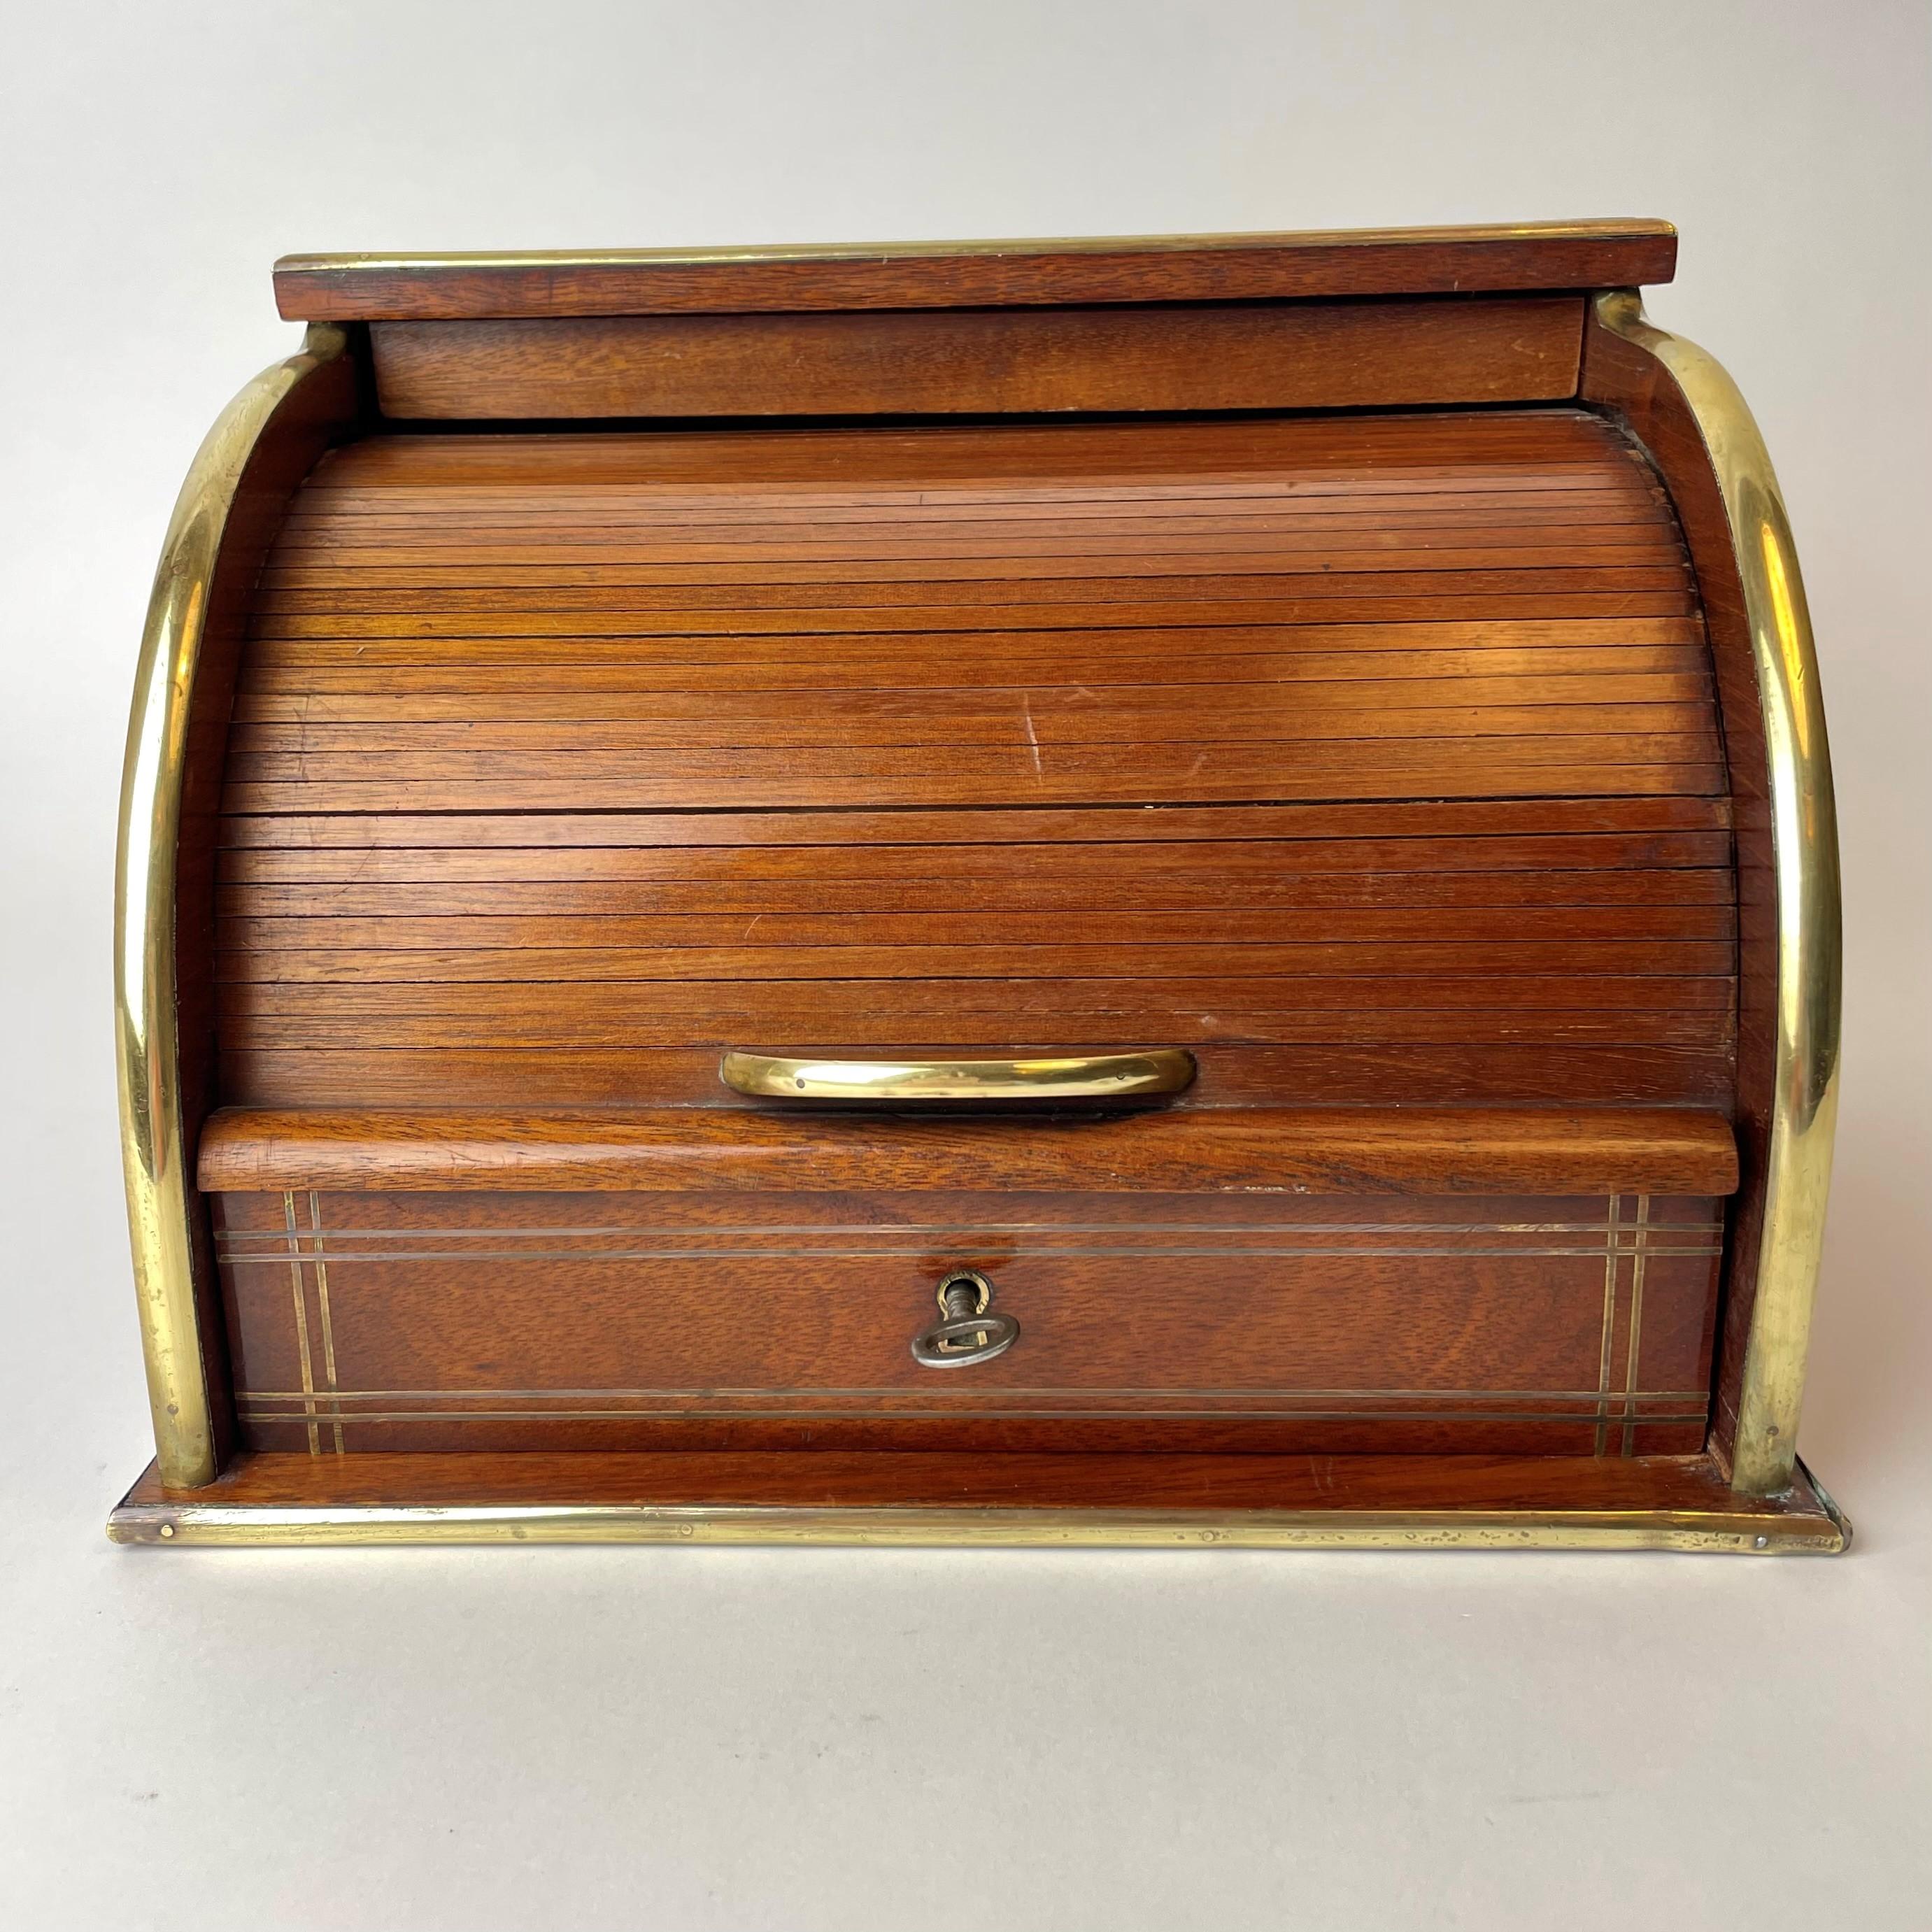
<point>1809,1529</point>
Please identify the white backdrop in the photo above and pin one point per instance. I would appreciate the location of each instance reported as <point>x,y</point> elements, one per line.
<point>614,1738</point>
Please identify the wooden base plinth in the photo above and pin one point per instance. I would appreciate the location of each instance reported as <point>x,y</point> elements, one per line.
<point>1391,1502</point>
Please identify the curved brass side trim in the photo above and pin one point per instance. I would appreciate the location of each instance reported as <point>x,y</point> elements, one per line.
<point>1091,1076</point>
<point>1804,839</point>
<point>155,1158</point>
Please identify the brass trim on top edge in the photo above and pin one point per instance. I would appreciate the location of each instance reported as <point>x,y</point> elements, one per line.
<point>156,1160</point>
<point>1804,842</point>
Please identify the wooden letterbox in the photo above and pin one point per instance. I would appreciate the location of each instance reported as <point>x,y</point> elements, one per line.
<point>1174,891</point>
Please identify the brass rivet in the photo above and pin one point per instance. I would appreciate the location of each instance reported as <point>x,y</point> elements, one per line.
<point>167,1529</point>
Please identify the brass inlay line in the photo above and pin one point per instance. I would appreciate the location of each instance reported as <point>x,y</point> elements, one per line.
<point>1613,1255</point>
<point>1630,1347</point>
<point>1583,1396</point>
<point>301,1324</point>
<point>1610,1325</point>
<point>1524,1416</point>
<point>979,1229</point>
<point>328,1327</point>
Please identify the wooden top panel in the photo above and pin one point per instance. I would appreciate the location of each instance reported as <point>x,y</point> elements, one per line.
<point>985,274</point>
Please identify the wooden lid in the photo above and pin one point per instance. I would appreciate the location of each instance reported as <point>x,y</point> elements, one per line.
<point>950,274</point>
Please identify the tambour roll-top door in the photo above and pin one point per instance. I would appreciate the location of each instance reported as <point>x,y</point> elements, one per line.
<point>1371,758</point>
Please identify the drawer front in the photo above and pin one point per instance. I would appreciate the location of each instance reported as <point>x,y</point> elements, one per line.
<point>572,1321</point>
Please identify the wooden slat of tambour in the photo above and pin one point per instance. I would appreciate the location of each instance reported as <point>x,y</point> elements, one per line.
<point>1004,771</point>
<point>988,958</point>
<point>930,471</point>
<point>798,622</point>
<point>1444,778</point>
<point>1232,1005</point>
<point>269,720</point>
<point>1353,507</point>
<point>840,590</point>
<point>617,660</point>
<point>1366,638</point>
<point>1681,904</point>
<point>269,753</point>
<point>1183,698</point>
<point>858,1023</point>
<point>517,677</point>
<point>1496,649</point>
<point>539,556</point>
<point>1363,650</point>
<point>407,926</point>
<point>1251,864</point>
<point>277,697</point>
<point>1281,453</point>
<point>1367,490</point>
<point>533,729</point>
<point>355,575</point>
<point>764,455</point>
<point>375,1074</point>
<point>1371,499</point>
<point>1293,752</point>
<point>1342,907</point>
<point>263,752</point>
<point>1505,823</point>
<point>494,536</point>
<point>1371,496</point>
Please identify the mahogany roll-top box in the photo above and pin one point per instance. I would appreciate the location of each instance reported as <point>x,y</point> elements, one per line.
<point>1171,891</point>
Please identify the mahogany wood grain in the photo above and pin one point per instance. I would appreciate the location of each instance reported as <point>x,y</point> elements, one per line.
<point>1231,356</point>
<point>1415,261</point>
<point>567,761</point>
<point>1333,1150</point>
<point>1307,838</point>
<point>1170,1321</point>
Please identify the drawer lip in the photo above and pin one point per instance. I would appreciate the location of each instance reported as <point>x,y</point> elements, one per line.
<point>1306,1150</point>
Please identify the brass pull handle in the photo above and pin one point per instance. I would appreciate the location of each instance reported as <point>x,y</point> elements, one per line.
<point>1090,1076</point>
<point>967,1331</point>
